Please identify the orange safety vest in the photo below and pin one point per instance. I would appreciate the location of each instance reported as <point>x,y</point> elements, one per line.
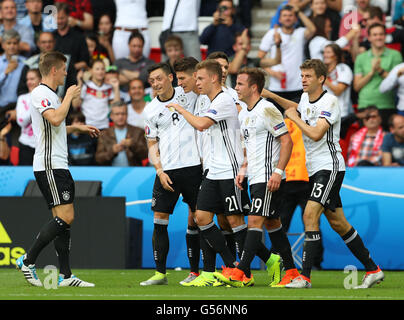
<point>296,168</point>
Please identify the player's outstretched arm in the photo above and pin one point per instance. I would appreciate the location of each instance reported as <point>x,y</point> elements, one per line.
<point>199,123</point>
<point>284,103</point>
<point>57,116</point>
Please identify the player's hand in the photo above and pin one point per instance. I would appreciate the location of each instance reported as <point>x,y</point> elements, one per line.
<point>73,91</point>
<point>175,107</point>
<point>166,181</point>
<point>274,182</point>
<point>291,113</point>
<point>239,181</point>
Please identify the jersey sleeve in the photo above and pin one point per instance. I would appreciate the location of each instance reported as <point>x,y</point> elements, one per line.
<point>40,102</point>
<point>330,110</point>
<point>221,109</point>
<point>274,123</point>
<point>150,128</point>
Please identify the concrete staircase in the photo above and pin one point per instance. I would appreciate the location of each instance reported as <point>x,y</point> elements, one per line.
<point>261,16</point>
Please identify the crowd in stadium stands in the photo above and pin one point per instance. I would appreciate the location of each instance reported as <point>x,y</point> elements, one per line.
<point>107,44</point>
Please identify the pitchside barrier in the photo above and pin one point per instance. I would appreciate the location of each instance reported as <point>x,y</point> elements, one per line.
<point>373,201</point>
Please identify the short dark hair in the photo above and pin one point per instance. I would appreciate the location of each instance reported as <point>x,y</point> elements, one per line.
<point>375,11</point>
<point>51,59</point>
<point>255,76</point>
<point>218,55</point>
<point>162,65</point>
<point>75,115</point>
<point>186,64</point>
<point>372,108</point>
<point>375,25</point>
<point>287,7</point>
<point>391,119</point>
<point>212,66</point>
<point>62,6</point>
<point>136,34</point>
<point>173,41</point>
<point>320,69</point>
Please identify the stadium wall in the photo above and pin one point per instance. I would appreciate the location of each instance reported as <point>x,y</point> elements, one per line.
<point>373,200</point>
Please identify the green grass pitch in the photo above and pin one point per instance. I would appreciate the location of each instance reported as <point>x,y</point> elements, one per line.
<point>124,285</point>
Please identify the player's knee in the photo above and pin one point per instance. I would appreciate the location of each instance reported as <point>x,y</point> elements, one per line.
<point>271,224</point>
<point>235,220</point>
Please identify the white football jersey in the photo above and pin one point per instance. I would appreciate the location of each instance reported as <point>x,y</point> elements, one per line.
<point>177,138</point>
<point>203,137</point>
<point>324,154</point>
<point>261,128</point>
<point>51,141</point>
<point>226,154</point>
<point>233,93</point>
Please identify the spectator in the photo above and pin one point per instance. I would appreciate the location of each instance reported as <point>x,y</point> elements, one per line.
<point>121,145</point>
<point>275,19</point>
<point>11,65</point>
<point>96,51</point>
<point>9,19</point>
<point>45,43</point>
<point>185,24</point>
<point>174,51</point>
<point>137,103</point>
<point>80,14</point>
<point>321,37</point>
<point>285,77</point>
<point>394,36</point>
<point>23,111</point>
<point>395,80</point>
<point>339,82</point>
<point>131,16</point>
<point>371,67</point>
<point>393,142</point>
<point>37,21</point>
<point>135,65</point>
<point>96,96</point>
<point>365,145</point>
<point>111,74</point>
<point>244,12</point>
<point>240,59</point>
<point>220,35</point>
<point>70,42</point>
<point>105,33</point>
<point>353,17</point>
<point>81,147</point>
<point>321,8</point>
<point>4,146</point>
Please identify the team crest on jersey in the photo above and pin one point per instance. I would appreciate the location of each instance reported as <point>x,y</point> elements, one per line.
<point>45,103</point>
<point>66,195</point>
<point>182,100</point>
